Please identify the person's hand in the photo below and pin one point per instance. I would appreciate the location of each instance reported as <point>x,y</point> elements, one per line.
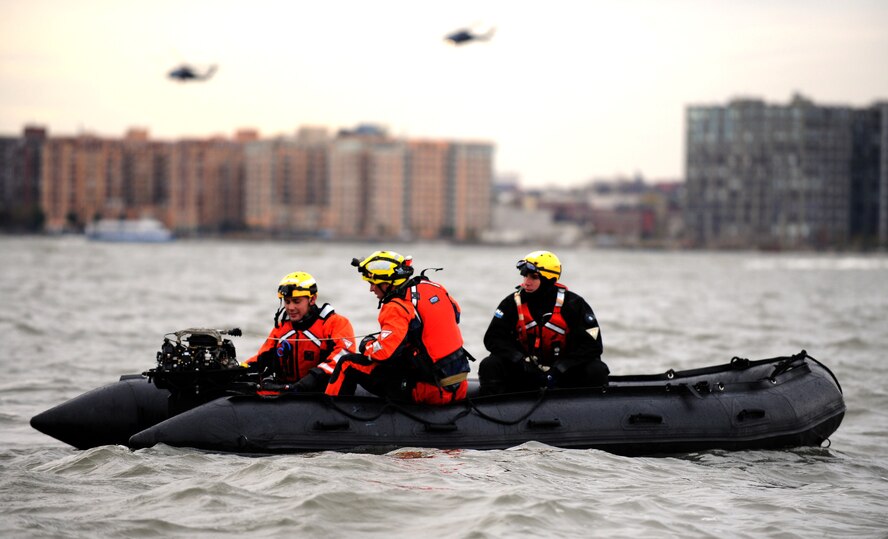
<point>266,361</point>
<point>532,364</point>
<point>270,384</point>
<point>365,341</point>
<point>314,381</point>
<point>516,356</point>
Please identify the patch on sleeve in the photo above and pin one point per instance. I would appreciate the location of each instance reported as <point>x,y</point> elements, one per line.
<point>498,313</point>
<point>384,334</point>
<point>593,332</point>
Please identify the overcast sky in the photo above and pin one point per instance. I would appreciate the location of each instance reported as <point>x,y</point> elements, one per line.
<point>567,91</point>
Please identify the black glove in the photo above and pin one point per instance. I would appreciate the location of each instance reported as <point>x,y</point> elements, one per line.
<point>517,356</point>
<point>358,359</point>
<point>266,362</point>
<point>270,384</point>
<point>366,340</point>
<point>532,364</point>
<point>314,381</point>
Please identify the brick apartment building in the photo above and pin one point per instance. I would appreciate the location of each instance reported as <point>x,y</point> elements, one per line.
<point>356,184</point>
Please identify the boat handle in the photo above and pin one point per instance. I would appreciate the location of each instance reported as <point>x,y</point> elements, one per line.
<point>331,425</point>
<point>440,427</point>
<point>645,419</point>
<point>752,413</point>
<point>543,423</point>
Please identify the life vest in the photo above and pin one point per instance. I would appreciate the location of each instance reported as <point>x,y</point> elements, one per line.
<point>547,341</point>
<point>437,318</point>
<point>299,350</point>
<point>434,331</point>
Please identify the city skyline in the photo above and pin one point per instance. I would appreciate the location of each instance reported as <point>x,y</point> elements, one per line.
<point>566,93</point>
<point>354,185</point>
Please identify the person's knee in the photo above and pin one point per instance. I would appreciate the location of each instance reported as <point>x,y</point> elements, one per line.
<point>487,366</point>
<point>490,376</point>
<point>597,373</point>
<point>357,359</point>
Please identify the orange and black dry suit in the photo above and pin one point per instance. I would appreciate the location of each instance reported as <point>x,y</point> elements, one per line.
<point>548,338</point>
<point>417,354</point>
<point>305,352</point>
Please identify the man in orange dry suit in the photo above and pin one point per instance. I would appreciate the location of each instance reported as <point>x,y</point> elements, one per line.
<point>304,346</point>
<point>417,355</point>
<point>542,335</point>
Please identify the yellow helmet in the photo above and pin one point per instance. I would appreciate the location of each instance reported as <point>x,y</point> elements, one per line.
<point>543,262</point>
<point>297,284</point>
<point>385,267</point>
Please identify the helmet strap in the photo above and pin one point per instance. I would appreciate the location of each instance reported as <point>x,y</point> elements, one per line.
<point>277,315</point>
<point>547,283</point>
<point>386,295</point>
<point>308,319</point>
<point>391,292</point>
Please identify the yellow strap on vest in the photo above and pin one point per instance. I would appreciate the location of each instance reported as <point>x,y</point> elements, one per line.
<point>454,379</point>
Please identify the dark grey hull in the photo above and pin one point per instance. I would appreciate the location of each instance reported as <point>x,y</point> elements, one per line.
<point>766,404</point>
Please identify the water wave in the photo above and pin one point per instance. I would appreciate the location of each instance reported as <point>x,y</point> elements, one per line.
<point>657,311</point>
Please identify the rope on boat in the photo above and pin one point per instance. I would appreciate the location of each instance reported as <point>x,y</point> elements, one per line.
<point>827,369</point>
<point>470,406</point>
<point>506,422</point>
<point>238,334</point>
<point>785,364</point>
<point>355,337</point>
<point>390,405</point>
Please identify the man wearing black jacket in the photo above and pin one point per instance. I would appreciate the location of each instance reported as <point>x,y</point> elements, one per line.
<point>543,335</point>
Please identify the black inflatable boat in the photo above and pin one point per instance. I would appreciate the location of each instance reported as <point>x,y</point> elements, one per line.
<point>204,401</point>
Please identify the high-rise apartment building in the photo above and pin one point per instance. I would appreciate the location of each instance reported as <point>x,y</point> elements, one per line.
<point>20,162</point>
<point>428,199</point>
<point>449,188</point>
<point>206,185</point>
<point>385,191</point>
<point>144,175</point>
<point>347,187</point>
<point>883,176</point>
<point>799,175</point>
<point>81,180</point>
<point>84,178</point>
<point>285,183</point>
<point>381,187</point>
<point>359,184</point>
<point>471,170</point>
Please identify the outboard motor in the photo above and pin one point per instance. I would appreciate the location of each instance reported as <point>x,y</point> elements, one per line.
<point>197,348</point>
<point>194,366</point>
<point>197,365</point>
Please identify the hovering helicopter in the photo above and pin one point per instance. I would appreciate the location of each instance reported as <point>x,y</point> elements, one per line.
<point>185,73</point>
<point>465,35</point>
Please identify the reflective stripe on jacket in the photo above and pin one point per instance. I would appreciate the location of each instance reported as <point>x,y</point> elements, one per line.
<point>320,345</point>
<point>544,341</point>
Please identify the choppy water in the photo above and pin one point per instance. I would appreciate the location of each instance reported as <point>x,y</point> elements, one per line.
<point>75,315</point>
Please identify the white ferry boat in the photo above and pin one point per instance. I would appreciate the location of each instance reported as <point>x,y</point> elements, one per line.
<point>121,230</point>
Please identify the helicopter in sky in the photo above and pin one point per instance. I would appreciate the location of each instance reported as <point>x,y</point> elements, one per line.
<point>466,35</point>
<point>185,73</point>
